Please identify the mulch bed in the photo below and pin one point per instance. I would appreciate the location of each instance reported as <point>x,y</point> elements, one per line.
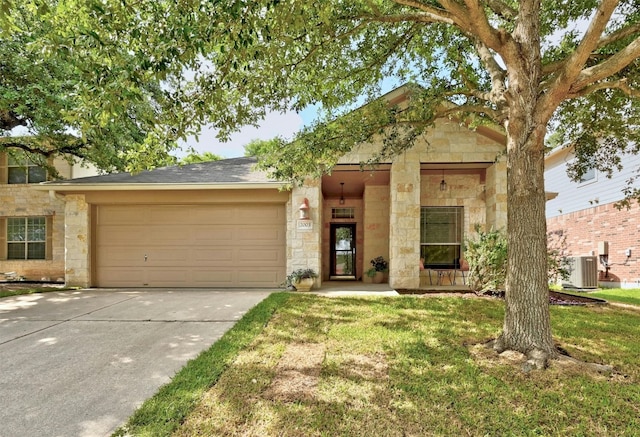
<point>555,297</point>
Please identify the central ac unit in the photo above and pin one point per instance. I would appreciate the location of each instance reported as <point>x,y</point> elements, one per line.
<point>583,272</point>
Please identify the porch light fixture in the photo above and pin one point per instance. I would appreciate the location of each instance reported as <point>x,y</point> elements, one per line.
<point>341,193</point>
<point>443,184</point>
<point>304,209</point>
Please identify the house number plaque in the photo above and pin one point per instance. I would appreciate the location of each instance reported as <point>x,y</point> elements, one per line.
<point>305,225</point>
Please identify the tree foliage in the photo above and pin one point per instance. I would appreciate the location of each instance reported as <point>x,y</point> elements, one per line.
<point>66,91</point>
<point>261,148</point>
<point>195,157</point>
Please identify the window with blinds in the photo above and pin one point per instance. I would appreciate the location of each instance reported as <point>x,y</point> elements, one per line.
<point>441,235</point>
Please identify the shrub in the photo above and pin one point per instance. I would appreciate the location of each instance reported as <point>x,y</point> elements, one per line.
<point>486,255</point>
<point>487,258</point>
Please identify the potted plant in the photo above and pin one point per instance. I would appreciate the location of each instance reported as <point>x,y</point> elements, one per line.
<point>301,279</point>
<point>378,266</point>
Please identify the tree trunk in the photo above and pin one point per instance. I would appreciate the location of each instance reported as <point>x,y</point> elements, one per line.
<point>527,322</point>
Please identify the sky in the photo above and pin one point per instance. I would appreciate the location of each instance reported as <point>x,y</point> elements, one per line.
<point>275,124</point>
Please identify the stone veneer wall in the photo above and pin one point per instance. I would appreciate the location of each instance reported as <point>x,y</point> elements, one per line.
<point>78,241</point>
<point>584,229</point>
<point>304,246</point>
<point>496,195</point>
<point>404,232</point>
<point>376,225</point>
<point>20,200</point>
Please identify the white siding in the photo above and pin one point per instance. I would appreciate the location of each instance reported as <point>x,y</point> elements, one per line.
<point>576,196</point>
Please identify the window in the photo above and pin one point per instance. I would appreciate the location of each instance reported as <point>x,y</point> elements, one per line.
<point>26,237</point>
<point>343,213</point>
<point>441,235</point>
<point>588,176</point>
<point>23,171</point>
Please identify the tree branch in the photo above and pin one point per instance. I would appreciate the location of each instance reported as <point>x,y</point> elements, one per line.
<point>47,147</point>
<point>591,38</point>
<point>605,69</point>
<point>618,35</point>
<point>621,84</point>
<point>502,9</point>
<point>496,72</point>
<point>436,15</point>
<point>571,68</point>
<point>9,120</point>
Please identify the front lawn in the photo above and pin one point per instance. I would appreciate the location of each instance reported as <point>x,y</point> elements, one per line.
<point>7,290</point>
<point>626,295</point>
<point>401,366</point>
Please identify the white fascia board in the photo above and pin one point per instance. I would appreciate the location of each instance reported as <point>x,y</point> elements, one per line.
<point>62,187</point>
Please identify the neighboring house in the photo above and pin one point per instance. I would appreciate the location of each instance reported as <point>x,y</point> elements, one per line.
<point>32,222</point>
<point>584,216</point>
<point>224,224</point>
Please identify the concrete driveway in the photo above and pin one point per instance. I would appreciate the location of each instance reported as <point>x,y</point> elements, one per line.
<point>78,363</point>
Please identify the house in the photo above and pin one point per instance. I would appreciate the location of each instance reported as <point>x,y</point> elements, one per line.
<point>584,218</point>
<point>32,222</point>
<point>225,224</point>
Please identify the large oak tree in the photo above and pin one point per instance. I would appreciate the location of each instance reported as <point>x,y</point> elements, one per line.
<point>527,66</point>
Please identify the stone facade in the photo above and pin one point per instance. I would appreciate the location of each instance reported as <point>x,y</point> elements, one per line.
<point>376,225</point>
<point>404,227</point>
<point>391,212</point>
<point>77,241</point>
<point>583,230</point>
<point>20,201</point>
<point>304,237</point>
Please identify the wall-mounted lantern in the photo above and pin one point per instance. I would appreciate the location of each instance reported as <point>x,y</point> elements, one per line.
<point>443,184</point>
<point>304,209</point>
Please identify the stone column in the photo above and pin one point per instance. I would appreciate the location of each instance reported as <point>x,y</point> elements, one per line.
<point>304,237</point>
<point>77,242</point>
<point>404,223</point>
<point>496,195</point>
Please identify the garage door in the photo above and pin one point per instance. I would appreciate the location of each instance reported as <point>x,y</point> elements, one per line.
<point>227,245</point>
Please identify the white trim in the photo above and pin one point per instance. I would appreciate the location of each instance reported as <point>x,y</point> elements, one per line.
<point>59,187</point>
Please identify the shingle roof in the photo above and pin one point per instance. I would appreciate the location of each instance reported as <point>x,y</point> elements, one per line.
<point>226,171</point>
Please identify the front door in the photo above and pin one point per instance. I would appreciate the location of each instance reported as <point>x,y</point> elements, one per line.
<point>343,251</point>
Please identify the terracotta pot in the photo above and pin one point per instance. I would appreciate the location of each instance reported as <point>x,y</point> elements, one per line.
<point>378,278</point>
<point>304,284</point>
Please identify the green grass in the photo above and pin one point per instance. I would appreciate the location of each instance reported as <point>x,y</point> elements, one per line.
<point>626,295</point>
<point>23,291</point>
<point>401,366</point>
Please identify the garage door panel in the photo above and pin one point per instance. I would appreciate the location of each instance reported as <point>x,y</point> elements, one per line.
<point>265,257</point>
<point>122,256</point>
<point>212,233</point>
<point>161,277</point>
<point>168,256</point>
<point>121,277</point>
<point>120,216</point>
<point>212,256</point>
<point>191,245</point>
<point>114,235</point>
<point>262,234</point>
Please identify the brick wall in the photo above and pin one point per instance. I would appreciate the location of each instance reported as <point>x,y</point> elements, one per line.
<point>621,229</point>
